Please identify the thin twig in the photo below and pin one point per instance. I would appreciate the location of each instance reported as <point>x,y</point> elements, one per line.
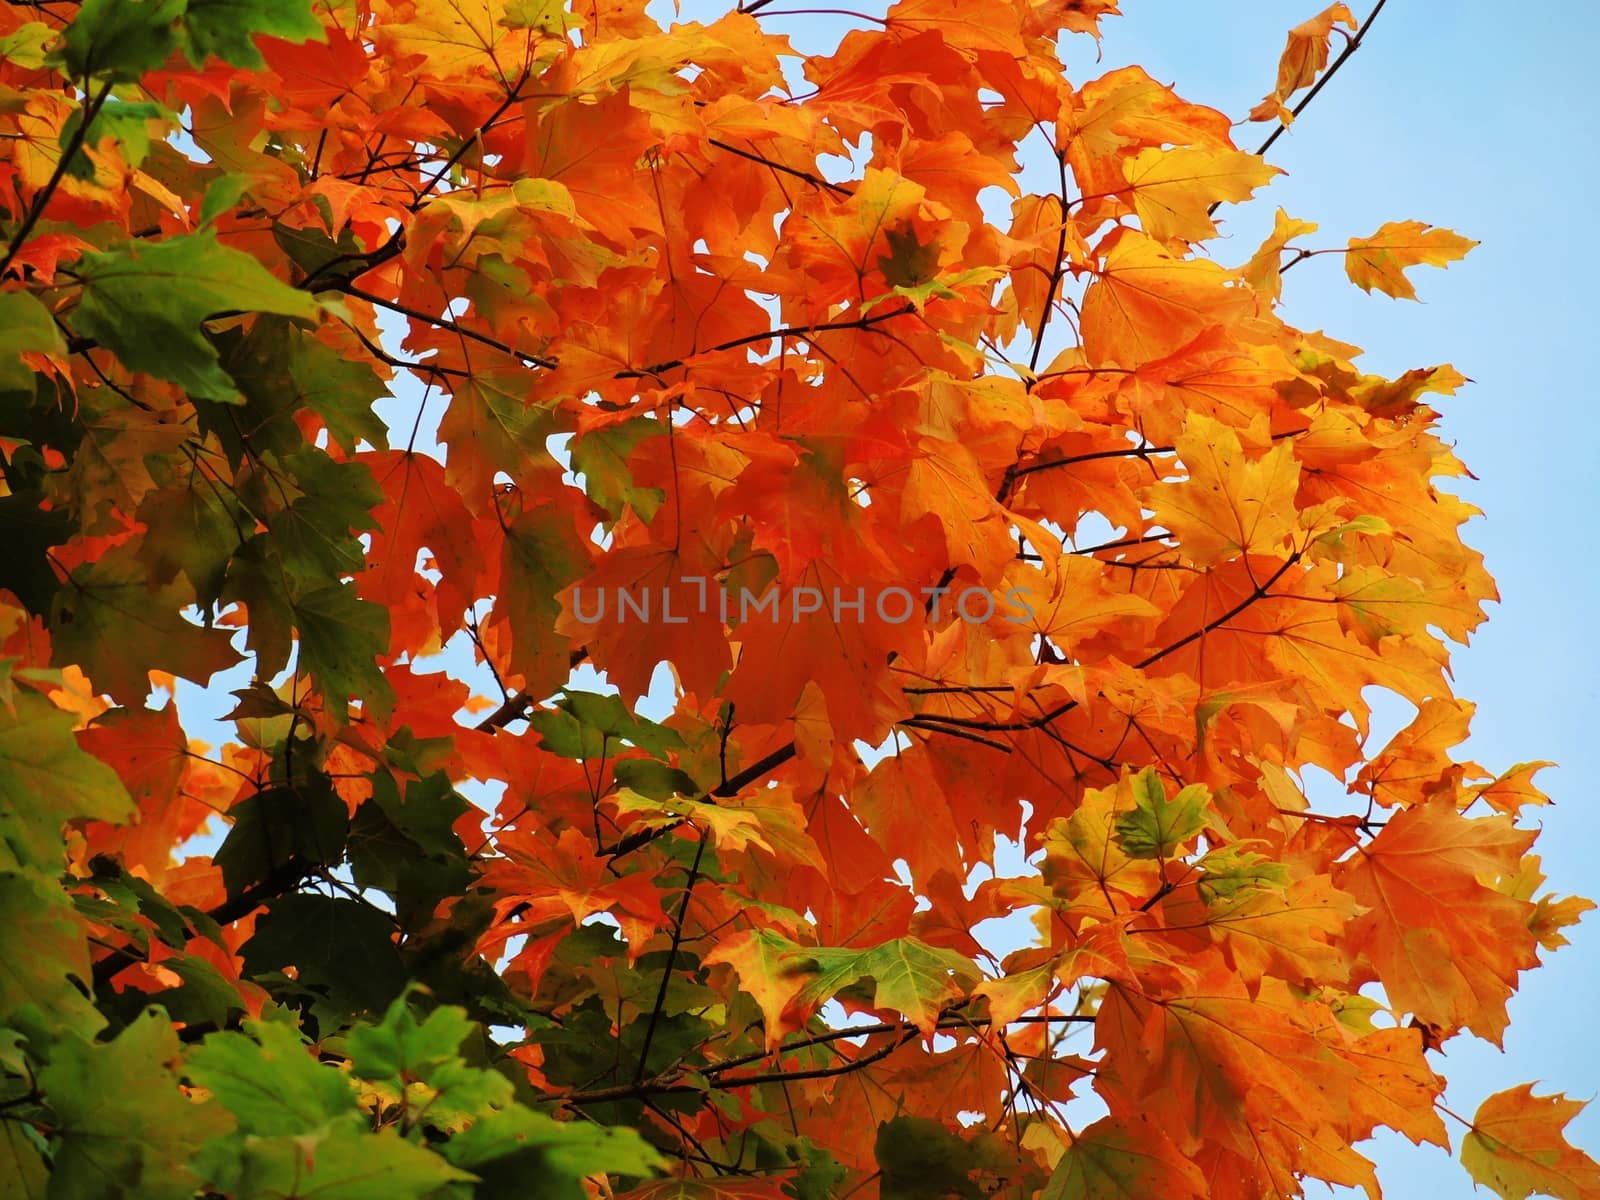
<point>1351,46</point>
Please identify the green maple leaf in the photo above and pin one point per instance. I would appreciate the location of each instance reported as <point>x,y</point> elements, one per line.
<point>342,949</point>
<point>109,621</point>
<point>601,457</point>
<point>119,40</point>
<point>490,426</point>
<point>543,553</point>
<point>192,530</point>
<point>1158,826</point>
<point>340,1161</point>
<point>341,637</point>
<point>1231,871</point>
<point>123,1127</point>
<point>281,370</point>
<point>338,390</point>
<point>1111,1161</point>
<point>46,780</point>
<point>45,952</point>
<point>909,976</point>
<point>270,1080</point>
<point>205,994</point>
<point>125,122</point>
<point>401,1051</point>
<point>145,301</point>
<point>406,845</point>
<point>300,1130</point>
<point>22,1169</point>
<point>25,324</point>
<point>583,723</point>
<point>314,533</point>
<point>512,1146</point>
<point>277,825</point>
<point>921,1159</point>
<point>401,1046</point>
<point>227,28</point>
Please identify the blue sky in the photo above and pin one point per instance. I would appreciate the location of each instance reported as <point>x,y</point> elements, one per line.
<point>1471,116</point>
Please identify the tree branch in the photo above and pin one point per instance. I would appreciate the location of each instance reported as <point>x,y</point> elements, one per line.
<point>814,180</point>
<point>416,314</point>
<point>41,198</point>
<point>717,1080</point>
<point>1056,268</point>
<point>1350,48</point>
<point>672,957</point>
<point>788,331</point>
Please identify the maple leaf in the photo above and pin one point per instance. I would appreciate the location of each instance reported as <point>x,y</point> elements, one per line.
<point>227,28</point>
<point>945,480</point>
<point>1084,859</point>
<point>270,1080</point>
<point>760,957</point>
<point>1264,271</point>
<point>150,754</point>
<point>543,553</point>
<point>48,955</point>
<point>1127,107</point>
<point>1420,880</point>
<point>1516,1147</point>
<point>1112,1158</point>
<point>1159,824</point>
<point>340,637</point>
<point>490,429</point>
<point>1146,303</point>
<point>107,1130</point>
<point>1381,260</point>
<point>1304,57</point>
<point>1173,189</point>
<point>27,329</point>
<point>46,780</point>
<point>771,822</point>
<point>453,38</point>
<point>1306,53</point>
<point>909,262</point>
<point>707,1189</point>
<point>1228,504</point>
<point>547,16</point>
<point>103,600</point>
<point>147,302</point>
<point>120,40</point>
<point>908,976</point>
<point>1077,602</point>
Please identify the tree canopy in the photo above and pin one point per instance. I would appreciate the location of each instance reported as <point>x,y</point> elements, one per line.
<point>898,399</point>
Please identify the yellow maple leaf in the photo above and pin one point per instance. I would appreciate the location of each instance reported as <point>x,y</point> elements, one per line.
<point>1229,504</point>
<point>1264,271</point>
<point>1380,261</point>
<point>1174,189</point>
<point>1517,1149</point>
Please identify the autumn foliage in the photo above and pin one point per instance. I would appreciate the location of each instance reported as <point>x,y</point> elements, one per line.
<point>971,497</point>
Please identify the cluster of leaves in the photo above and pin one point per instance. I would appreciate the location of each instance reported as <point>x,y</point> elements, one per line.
<point>681,352</point>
